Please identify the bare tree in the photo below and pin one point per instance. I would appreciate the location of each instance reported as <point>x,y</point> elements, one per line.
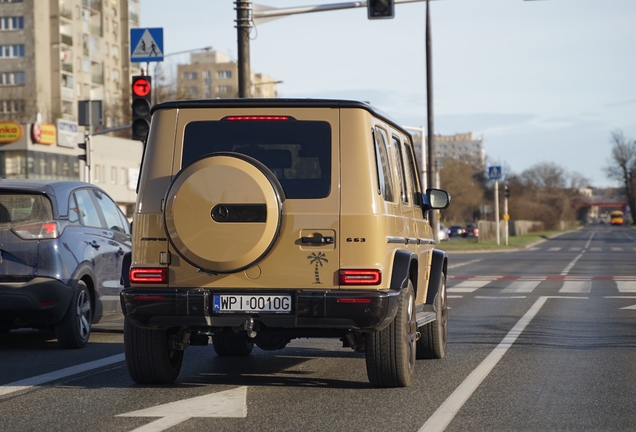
<point>464,181</point>
<point>622,166</point>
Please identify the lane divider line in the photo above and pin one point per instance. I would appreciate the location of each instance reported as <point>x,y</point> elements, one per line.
<point>442,417</point>
<point>55,375</point>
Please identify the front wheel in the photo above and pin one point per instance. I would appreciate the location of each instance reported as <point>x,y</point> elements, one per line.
<point>432,342</point>
<point>390,353</point>
<point>148,356</point>
<point>75,328</point>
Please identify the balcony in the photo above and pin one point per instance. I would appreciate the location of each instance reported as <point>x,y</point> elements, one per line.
<point>97,79</point>
<point>93,4</point>
<point>66,39</point>
<point>67,67</point>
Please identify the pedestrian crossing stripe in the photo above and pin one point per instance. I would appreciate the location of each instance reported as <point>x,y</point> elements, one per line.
<point>541,278</point>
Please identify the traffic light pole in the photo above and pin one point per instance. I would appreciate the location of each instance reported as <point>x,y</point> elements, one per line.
<point>243,24</point>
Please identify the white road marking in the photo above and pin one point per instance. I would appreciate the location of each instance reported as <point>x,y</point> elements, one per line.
<point>596,249</point>
<point>451,406</point>
<point>617,249</point>
<point>576,287</point>
<point>626,286</point>
<point>575,249</point>
<point>521,286</point>
<point>499,297</point>
<point>468,286</point>
<point>532,249</point>
<point>55,375</point>
<point>229,403</point>
<point>554,249</point>
<point>630,307</point>
<point>452,266</point>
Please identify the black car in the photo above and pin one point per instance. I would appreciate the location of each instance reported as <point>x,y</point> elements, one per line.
<point>61,250</point>
<point>456,231</point>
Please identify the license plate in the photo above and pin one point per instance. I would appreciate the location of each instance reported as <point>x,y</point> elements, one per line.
<point>230,303</point>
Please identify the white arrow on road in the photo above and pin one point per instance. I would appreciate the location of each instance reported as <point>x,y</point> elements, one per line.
<point>630,307</point>
<point>230,403</point>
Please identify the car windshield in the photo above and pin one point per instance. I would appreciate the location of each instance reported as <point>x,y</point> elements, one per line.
<point>21,208</point>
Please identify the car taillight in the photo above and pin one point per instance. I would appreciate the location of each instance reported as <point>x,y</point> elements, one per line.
<point>360,277</point>
<point>38,231</point>
<point>149,275</point>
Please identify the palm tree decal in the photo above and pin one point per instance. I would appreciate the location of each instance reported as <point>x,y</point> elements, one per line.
<point>317,259</point>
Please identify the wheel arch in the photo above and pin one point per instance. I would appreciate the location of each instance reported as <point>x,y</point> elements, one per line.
<point>439,267</point>
<point>404,268</point>
<point>85,274</point>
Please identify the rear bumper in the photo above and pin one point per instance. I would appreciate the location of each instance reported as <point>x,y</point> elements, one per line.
<point>165,308</point>
<point>40,301</point>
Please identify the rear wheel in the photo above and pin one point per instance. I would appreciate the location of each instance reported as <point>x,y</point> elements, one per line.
<point>148,356</point>
<point>75,328</point>
<point>432,342</point>
<point>232,345</point>
<point>390,353</point>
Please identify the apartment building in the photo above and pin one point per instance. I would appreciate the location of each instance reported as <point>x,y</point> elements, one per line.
<point>459,146</point>
<point>211,74</point>
<point>54,53</point>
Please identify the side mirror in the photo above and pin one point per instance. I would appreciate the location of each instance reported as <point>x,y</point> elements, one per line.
<point>436,199</point>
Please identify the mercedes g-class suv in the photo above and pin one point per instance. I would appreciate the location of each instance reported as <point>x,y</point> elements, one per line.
<point>263,220</point>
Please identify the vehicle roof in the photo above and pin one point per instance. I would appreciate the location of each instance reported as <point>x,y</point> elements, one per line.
<point>278,103</point>
<point>58,190</point>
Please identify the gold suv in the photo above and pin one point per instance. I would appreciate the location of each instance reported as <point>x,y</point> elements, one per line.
<point>259,221</point>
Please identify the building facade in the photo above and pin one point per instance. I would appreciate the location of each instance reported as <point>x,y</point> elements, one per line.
<point>54,53</point>
<point>459,146</point>
<point>212,75</point>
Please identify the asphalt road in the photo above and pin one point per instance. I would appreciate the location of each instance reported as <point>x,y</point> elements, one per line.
<point>541,339</point>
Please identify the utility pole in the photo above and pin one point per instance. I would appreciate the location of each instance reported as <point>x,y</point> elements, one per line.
<point>497,211</point>
<point>506,216</point>
<point>243,11</point>
<point>429,120</point>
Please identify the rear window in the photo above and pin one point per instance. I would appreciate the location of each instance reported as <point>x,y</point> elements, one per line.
<point>24,208</point>
<point>297,152</point>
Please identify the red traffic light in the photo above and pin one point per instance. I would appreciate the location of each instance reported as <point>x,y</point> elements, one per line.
<point>141,87</point>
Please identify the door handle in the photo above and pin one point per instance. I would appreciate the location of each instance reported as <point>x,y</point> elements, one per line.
<point>120,251</point>
<point>318,239</point>
<point>94,244</point>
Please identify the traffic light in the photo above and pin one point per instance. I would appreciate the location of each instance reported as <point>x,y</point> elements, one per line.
<point>380,9</point>
<point>506,191</point>
<point>141,97</point>
<point>84,156</point>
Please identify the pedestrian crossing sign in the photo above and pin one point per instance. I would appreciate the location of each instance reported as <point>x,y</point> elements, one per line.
<point>494,173</point>
<point>146,44</point>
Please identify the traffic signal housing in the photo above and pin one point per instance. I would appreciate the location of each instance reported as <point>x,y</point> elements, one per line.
<point>84,156</point>
<point>141,103</point>
<point>380,9</point>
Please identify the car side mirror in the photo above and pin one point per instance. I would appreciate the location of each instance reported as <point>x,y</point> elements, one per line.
<point>435,199</point>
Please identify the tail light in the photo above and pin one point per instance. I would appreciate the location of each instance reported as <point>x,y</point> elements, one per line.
<point>256,118</point>
<point>360,277</point>
<point>149,275</point>
<point>38,231</point>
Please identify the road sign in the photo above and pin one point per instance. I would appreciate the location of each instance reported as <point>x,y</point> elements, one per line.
<point>141,87</point>
<point>146,44</point>
<point>494,173</point>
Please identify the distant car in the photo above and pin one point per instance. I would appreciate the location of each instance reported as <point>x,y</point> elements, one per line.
<point>471,230</point>
<point>443,232</point>
<point>61,245</point>
<point>456,231</point>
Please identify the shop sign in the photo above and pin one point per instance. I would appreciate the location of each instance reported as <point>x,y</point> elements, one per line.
<point>43,133</point>
<point>66,133</point>
<point>10,131</point>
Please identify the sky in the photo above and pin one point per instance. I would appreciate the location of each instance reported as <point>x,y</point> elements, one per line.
<point>539,81</point>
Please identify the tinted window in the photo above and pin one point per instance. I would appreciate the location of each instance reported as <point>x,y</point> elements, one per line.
<point>87,211</point>
<point>24,208</point>
<point>112,214</point>
<point>73,211</point>
<point>383,165</point>
<point>297,152</point>
<point>396,148</point>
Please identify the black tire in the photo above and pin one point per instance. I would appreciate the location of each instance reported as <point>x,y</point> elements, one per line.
<point>148,358</point>
<point>232,345</point>
<point>75,328</point>
<point>433,336</point>
<point>390,353</point>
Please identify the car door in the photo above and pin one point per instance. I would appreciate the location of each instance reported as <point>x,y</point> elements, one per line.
<point>100,254</point>
<point>117,235</point>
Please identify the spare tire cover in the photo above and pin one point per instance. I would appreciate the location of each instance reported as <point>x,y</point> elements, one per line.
<point>223,212</point>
